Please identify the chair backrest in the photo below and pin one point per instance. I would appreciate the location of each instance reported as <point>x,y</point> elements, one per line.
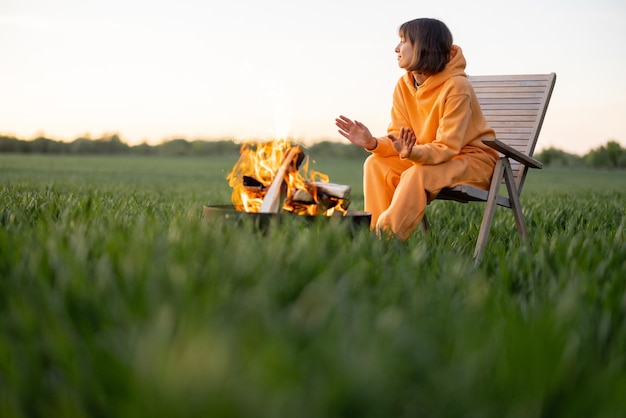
<point>515,106</point>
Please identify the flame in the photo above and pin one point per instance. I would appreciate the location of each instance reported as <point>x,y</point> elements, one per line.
<point>253,173</point>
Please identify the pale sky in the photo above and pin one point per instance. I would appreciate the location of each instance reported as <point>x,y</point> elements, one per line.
<point>153,70</point>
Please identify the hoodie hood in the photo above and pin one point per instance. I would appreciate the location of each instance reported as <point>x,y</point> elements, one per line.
<point>454,68</point>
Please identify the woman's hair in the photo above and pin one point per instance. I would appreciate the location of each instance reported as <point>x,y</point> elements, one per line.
<point>432,42</point>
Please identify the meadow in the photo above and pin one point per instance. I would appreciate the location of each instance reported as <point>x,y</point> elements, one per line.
<point>118,299</point>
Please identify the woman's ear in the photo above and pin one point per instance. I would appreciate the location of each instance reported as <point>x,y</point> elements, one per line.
<point>452,54</point>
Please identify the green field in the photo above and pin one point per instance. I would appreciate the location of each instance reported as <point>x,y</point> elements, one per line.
<point>118,300</point>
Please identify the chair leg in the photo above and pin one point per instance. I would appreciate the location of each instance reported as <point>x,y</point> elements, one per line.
<point>516,205</point>
<point>490,208</point>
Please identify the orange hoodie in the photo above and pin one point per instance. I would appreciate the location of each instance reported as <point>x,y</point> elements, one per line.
<point>444,114</point>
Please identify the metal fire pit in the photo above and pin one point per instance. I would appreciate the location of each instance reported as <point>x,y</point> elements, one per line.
<point>356,219</point>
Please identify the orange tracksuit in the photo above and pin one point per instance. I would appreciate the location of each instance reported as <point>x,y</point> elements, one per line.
<point>448,123</point>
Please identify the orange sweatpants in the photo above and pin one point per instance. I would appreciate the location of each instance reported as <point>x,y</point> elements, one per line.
<point>397,191</point>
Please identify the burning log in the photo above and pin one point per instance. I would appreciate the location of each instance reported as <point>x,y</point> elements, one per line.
<point>250,183</point>
<point>272,198</point>
<point>333,196</point>
<point>340,191</point>
<point>321,190</point>
<point>318,197</point>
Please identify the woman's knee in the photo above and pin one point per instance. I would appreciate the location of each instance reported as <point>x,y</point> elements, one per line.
<point>373,162</point>
<point>375,169</point>
<point>379,165</point>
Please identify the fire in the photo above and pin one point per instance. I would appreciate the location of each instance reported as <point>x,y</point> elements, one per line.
<point>304,194</point>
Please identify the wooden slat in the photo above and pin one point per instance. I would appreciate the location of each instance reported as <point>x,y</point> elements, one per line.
<point>506,107</point>
<point>489,90</point>
<point>518,144</point>
<point>508,85</point>
<point>520,131</point>
<point>495,101</point>
<point>509,78</point>
<point>484,89</point>
<point>511,96</point>
<point>479,85</point>
<point>506,113</point>
<point>512,133</point>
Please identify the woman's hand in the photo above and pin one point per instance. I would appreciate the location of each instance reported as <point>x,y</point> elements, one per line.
<point>404,144</point>
<point>356,132</point>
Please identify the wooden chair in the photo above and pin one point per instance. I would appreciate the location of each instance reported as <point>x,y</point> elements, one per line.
<point>514,106</point>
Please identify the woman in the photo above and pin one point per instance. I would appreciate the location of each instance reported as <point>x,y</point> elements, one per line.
<point>434,138</point>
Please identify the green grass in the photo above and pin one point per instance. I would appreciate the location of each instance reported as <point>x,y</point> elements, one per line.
<point>117,299</point>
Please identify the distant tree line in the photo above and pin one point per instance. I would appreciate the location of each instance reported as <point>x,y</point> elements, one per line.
<point>113,145</point>
<point>610,156</point>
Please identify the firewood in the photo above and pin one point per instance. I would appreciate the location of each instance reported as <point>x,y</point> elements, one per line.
<point>340,191</point>
<point>272,199</point>
<point>302,196</point>
<point>252,183</point>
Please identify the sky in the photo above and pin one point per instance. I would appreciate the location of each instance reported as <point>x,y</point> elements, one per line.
<point>155,70</point>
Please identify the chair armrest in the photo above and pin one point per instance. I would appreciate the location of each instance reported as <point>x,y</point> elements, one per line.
<point>511,152</point>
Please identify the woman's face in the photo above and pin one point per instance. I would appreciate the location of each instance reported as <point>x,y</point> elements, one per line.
<point>404,49</point>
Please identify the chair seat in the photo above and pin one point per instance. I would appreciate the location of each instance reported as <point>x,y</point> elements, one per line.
<point>465,193</point>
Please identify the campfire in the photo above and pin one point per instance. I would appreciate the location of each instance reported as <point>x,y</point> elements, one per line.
<point>274,176</point>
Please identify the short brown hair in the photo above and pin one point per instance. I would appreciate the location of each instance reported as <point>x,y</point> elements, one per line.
<point>432,42</point>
